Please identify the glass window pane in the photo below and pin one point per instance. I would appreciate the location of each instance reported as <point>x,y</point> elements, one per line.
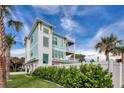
<point>45,41</point>
<point>45,58</point>
<point>45,30</point>
<point>55,40</point>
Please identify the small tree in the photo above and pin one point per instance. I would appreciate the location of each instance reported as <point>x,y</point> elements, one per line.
<point>80,57</point>
<point>92,60</point>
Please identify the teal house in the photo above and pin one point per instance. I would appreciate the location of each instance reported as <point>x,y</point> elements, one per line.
<point>45,47</point>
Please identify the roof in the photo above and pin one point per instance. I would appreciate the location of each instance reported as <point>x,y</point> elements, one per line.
<point>68,40</point>
<point>38,20</point>
<point>44,22</point>
<point>55,33</point>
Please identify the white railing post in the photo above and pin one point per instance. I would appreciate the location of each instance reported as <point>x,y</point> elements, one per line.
<point>120,68</point>
<point>110,66</point>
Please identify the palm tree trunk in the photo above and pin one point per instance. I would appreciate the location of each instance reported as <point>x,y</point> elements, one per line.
<point>122,58</point>
<point>2,53</point>
<point>7,63</point>
<point>107,59</point>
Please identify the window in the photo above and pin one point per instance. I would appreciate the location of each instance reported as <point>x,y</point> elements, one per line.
<point>62,42</point>
<point>45,58</point>
<point>61,53</point>
<point>45,41</point>
<point>31,39</point>
<point>31,53</point>
<point>45,30</point>
<point>55,54</point>
<point>55,40</point>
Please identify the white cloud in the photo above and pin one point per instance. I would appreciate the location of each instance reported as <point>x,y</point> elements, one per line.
<point>86,52</point>
<point>49,9</point>
<point>25,29</point>
<point>116,28</point>
<point>18,52</point>
<point>69,11</point>
<point>69,25</point>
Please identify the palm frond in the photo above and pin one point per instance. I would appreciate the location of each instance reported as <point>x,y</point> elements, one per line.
<point>10,40</point>
<point>15,24</point>
<point>6,10</point>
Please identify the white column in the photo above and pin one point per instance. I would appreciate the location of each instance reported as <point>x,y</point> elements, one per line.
<point>110,66</point>
<point>40,44</point>
<point>120,66</point>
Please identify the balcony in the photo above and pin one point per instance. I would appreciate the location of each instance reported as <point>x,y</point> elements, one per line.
<point>69,42</point>
<point>65,61</point>
<point>69,51</point>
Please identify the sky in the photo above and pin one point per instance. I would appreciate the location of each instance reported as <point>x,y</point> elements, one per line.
<point>84,24</point>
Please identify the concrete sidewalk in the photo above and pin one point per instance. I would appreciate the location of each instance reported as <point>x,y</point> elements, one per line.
<point>17,73</point>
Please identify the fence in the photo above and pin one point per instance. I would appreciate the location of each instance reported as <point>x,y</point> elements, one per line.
<point>117,70</point>
<point>122,73</point>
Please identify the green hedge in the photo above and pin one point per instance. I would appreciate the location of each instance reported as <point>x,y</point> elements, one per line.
<point>86,76</point>
<point>123,86</point>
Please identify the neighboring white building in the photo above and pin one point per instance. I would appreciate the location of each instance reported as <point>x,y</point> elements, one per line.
<point>100,57</point>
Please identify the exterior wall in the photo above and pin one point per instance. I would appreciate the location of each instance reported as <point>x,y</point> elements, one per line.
<point>123,74</point>
<point>35,48</point>
<point>41,48</point>
<point>31,67</point>
<point>116,75</point>
<point>60,47</point>
<point>34,44</point>
<point>27,49</point>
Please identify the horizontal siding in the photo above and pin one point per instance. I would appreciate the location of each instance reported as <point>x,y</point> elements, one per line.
<point>34,44</point>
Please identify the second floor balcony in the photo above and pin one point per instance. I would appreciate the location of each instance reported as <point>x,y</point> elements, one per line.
<point>69,51</point>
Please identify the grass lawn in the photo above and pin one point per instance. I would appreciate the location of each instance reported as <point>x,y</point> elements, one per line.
<point>24,81</point>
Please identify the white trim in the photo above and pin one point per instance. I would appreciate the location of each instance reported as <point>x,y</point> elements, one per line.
<point>120,74</point>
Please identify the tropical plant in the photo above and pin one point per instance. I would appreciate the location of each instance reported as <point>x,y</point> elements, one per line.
<point>80,57</point>
<point>86,76</point>
<point>16,64</point>
<point>10,41</point>
<point>92,60</point>
<point>5,12</point>
<point>119,50</point>
<point>107,45</point>
<point>16,25</point>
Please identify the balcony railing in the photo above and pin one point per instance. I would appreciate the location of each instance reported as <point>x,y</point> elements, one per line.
<point>69,50</point>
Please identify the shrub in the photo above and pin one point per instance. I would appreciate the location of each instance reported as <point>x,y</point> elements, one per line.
<point>86,76</point>
<point>123,86</point>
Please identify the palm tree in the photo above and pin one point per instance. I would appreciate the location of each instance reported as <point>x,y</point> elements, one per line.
<point>5,12</point>
<point>119,50</point>
<point>107,45</point>
<point>10,41</point>
<point>17,25</point>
